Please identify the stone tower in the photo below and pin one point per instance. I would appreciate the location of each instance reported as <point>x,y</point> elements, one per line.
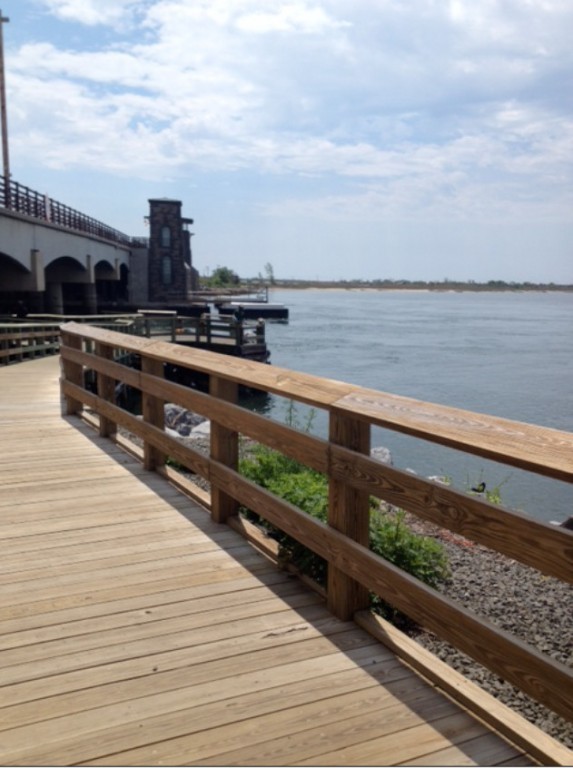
<point>169,265</point>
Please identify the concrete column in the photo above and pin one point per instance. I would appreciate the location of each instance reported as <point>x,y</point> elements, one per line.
<point>90,268</point>
<point>38,273</point>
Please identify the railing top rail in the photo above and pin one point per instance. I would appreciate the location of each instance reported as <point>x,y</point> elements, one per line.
<point>539,449</point>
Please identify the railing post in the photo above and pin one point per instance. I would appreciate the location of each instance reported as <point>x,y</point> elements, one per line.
<point>224,448</point>
<point>153,413</point>
<point>72,372</point>
<point>349,513</point>
<point>105,390</point>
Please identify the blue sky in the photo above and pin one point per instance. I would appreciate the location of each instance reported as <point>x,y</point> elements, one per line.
<point>335,139</point>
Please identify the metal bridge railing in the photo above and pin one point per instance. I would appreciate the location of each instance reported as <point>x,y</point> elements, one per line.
<point>21,199</point>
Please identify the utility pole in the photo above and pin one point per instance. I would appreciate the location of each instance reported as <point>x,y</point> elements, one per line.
<point>3,116</point>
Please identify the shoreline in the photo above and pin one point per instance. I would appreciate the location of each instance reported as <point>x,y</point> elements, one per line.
<point>384,289</point>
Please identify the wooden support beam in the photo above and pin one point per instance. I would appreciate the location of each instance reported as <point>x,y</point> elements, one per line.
<point>224,449</point>
<point>106,390</point>
<point>73,373</point>
<point>348,512</point>
<point>153,413</point>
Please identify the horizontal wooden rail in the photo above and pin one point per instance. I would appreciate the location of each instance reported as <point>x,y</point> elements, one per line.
<point>23,341</point>
<point>353,568</point>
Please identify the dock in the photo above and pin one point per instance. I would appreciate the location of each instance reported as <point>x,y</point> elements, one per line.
<point>138,631</point>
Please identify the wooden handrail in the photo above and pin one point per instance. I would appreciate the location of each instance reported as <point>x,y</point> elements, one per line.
<point>353,475</point>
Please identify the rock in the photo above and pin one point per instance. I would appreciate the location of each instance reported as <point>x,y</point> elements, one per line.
<point>382,454</point>
<point>439,479</point>
<point>201,430</point>
<point>180,420</point>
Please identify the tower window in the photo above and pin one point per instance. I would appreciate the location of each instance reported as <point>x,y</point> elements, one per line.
<point>166,271</point>
<point>165,237</point>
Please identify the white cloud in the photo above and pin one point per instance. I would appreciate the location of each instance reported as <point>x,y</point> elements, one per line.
<point>91,12</point>
<point>361,109</point>
<point>290,17</point>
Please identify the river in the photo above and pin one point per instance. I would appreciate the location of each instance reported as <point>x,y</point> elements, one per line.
<point>507,354</point>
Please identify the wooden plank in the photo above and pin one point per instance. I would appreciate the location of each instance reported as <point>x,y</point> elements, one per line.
<point>117,609</point>
<point>533,542</point>
<point>216,660</point>
<point>181,622</point>
<point>15,634</point>
<point>504,720</point>
<point>422,740</point>
<point>96,732</point>
<point>246,741</point>
<point>526,446</point>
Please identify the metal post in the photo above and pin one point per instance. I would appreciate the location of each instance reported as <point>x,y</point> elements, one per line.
<point>3,115</point>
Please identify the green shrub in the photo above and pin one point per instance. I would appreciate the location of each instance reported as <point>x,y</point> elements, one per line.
<point>390,537</point>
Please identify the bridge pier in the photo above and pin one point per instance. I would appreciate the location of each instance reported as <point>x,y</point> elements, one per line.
<point>55,298</point>
<point>90,298</point>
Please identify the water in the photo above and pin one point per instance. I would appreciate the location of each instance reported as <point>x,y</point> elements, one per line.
<point>504,354</point>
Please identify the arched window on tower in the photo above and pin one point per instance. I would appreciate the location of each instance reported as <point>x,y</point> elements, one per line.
<point>165,237</point>
<point>166,271</point>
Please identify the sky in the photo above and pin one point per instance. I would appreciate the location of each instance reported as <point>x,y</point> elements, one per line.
<point>331,139</point>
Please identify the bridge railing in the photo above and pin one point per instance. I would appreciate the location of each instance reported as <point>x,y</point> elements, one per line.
<point>23,200</point>
<point>353,569</point>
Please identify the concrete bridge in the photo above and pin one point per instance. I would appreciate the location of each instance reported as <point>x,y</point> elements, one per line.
<point>55,259</point>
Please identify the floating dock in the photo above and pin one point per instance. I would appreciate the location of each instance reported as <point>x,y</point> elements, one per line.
<point>255,310</point>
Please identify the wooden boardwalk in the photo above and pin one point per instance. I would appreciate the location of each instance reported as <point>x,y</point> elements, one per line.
<point>135,631</point>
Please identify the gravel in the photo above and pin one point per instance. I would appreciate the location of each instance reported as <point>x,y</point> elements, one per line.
<point>535,608</point>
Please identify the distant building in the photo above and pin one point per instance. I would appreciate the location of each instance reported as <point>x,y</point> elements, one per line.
<point>162,270</point>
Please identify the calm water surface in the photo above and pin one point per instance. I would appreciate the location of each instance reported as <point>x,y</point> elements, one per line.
<point>505,354</point>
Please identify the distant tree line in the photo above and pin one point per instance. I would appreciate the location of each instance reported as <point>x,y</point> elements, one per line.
<point>225,277</point>
<point>431,285</point>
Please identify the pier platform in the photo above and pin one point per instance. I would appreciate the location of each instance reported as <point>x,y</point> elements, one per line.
<point>136,631</point>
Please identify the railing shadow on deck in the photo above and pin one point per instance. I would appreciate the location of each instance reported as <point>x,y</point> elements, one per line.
<point>353,570</point>
<point>379,662</point>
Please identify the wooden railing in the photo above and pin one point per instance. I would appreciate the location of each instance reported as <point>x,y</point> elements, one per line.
<point>39,335</point>
<point>24,341</point>
<point>353,570</point>
<point>204,329</point>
